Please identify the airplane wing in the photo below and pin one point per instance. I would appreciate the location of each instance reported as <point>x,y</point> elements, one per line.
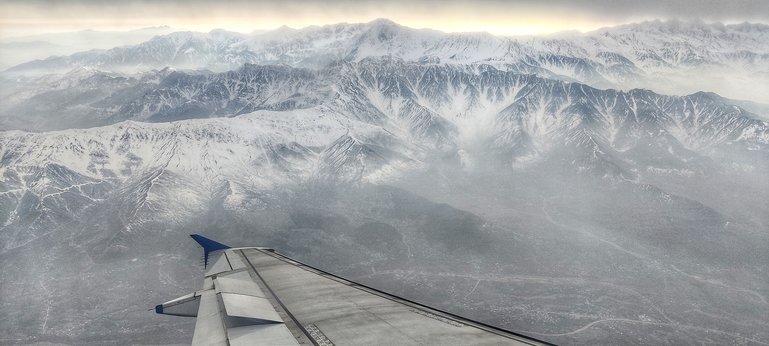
<point>256,296</point>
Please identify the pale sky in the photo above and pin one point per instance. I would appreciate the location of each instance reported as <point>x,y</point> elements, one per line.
<point>512,17</point>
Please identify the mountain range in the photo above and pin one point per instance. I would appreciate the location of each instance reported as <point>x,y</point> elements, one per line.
<point>519,181</point>
<point>21,49</point>
<point>672,57</point>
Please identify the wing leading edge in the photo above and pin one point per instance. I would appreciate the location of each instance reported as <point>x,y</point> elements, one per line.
<point>255,296</point>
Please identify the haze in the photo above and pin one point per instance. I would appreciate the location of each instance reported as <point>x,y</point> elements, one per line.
<point>595,188</point>
<point>520,17</point>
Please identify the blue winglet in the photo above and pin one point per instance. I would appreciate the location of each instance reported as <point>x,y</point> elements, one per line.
<point>208,246</point>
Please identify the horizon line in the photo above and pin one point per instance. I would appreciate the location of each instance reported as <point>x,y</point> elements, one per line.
<point>257,31</point>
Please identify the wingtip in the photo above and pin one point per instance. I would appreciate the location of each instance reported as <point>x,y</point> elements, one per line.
<point>208,246</point>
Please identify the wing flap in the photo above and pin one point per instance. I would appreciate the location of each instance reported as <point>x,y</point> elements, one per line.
<point>267,334</point>
<point>240,283</point>
<point>258,309</point>
<point>209,328</point>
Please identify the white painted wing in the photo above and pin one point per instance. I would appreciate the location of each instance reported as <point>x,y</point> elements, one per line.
<point>255,296</point>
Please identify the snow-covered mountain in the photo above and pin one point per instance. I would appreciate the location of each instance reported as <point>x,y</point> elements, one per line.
<point>497,176</point>
<point>438,106</point>
<point>650,54</point>
<point>368,121</point>
<point>379,119</point>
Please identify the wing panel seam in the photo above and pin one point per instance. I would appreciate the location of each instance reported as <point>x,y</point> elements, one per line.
<point>283,306</point>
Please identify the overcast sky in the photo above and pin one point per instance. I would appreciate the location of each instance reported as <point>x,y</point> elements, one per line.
<point>24,17</point>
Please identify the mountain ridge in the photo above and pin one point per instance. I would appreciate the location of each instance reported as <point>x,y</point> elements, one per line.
<point>634,55</point>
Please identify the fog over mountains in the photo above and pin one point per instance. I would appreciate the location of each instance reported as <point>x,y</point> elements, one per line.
<point>529,183</point>
<point>18,50</point>
<point>672,57</point>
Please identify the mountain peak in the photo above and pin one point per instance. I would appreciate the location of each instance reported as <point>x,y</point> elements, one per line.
<point>285,28</point>
<point>383,22</point>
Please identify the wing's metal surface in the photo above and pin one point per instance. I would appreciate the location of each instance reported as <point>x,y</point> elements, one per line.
<point>255,296</point>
